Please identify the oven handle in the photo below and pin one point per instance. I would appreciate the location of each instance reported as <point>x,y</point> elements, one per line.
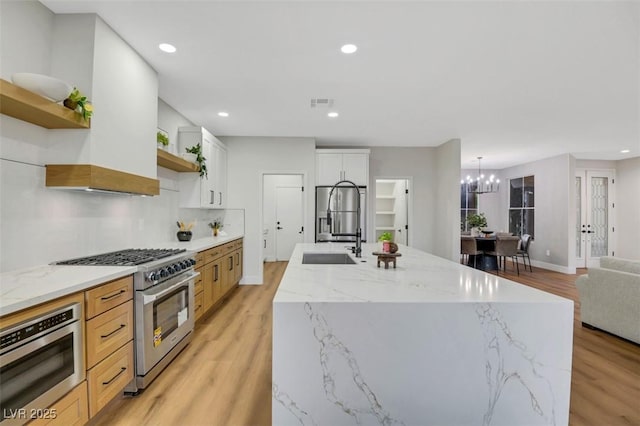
<point>152,297</point>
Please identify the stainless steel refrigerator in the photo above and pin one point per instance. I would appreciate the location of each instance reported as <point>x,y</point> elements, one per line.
<point>344,206</point>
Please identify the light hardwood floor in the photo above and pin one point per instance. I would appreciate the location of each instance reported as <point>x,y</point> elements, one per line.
<point>224,376</point>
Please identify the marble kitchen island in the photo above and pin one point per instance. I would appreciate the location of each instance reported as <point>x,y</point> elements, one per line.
<point>431,342</point>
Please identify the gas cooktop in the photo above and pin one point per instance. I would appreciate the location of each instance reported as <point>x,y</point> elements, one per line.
<point>128,257</point>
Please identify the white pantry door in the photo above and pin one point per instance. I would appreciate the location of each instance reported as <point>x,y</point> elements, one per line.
<point>289,212</point>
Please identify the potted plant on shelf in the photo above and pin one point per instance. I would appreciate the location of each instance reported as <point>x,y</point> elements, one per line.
<point>215,226</point>
<point>78,102</point>
<point>476,222</point>
<point>163,139</point>
<point>197,149</point>
<point>386,239</point>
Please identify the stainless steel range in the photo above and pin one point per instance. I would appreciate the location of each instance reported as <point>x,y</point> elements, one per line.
<point>164,305</point>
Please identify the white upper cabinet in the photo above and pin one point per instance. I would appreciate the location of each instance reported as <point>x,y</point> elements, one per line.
<point>334,165</point>
<point>209,191</point>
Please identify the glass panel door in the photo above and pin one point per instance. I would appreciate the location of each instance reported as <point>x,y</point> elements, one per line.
<point>594,214</point>
<point>598,226</point>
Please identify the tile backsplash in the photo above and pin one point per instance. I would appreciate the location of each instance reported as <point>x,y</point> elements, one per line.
<point>40,225</point>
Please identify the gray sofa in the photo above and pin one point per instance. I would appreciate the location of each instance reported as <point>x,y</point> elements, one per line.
<point>610,297</point>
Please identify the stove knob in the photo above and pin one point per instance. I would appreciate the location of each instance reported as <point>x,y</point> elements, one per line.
<point>170,269</point>
<point>186,264</point>
<point>152,276</point>
<point>177,267</point>
<point>164,273</point>
<point>192,262</point>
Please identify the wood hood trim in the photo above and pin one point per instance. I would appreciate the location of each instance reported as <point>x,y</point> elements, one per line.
<point>88,176</point>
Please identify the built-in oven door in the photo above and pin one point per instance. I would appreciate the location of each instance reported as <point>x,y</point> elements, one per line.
<point>167,317</point>
<point>35,375</point>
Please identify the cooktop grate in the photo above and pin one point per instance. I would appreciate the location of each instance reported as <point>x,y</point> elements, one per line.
<point>128,257</point>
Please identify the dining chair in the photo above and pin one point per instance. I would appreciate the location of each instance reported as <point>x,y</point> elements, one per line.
<point>469,247</point>
<point>506,246</point>
<point>523,251</point>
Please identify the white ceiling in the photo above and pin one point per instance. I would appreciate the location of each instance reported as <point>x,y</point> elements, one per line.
<point>515,81</point>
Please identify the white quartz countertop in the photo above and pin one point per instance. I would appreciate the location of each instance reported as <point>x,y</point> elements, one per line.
<point>29,287</point>
<point>419,278</point>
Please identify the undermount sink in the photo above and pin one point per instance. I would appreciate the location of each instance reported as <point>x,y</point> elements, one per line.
<point>327,259</point>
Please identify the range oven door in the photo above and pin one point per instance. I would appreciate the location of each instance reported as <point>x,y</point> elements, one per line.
<point>164,316</point>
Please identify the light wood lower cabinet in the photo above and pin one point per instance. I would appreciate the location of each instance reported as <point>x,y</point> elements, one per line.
<point>199,307</point>
<point>221,270</point>
<point>107,296</point>
<point>108,332</point>
<point>109,341</point>
<point>107,379</point>
<point>70,410</point>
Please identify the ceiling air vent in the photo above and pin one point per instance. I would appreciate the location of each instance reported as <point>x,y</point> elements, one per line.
<point>321,103</point>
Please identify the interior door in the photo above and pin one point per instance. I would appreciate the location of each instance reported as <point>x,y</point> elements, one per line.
<point>594,216</point>
<point>401,209</point>
<point>289,214</point>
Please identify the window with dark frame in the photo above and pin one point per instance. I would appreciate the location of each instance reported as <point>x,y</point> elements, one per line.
<point>522,205</point>
<point>468,203</point>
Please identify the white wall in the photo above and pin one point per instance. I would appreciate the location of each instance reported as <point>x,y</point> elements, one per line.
<point>170,120</point>
<point>628,208</point>
<point>271,182</point>
<point>417,165</point>
<point>554,210</point>
<point>447,201</point>
<point>248,158</point>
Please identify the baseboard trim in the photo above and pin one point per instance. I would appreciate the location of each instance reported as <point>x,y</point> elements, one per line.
<point>251,280</point>
<point>553,267</point>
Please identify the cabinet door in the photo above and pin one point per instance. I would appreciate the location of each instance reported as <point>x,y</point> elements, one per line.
<point>217,279</point>
<point>221,177</point>
<point>208,183</point>
<point>328,169</point>
<point>356,168</point>
<point>237,255</point>
<point>208,292</point>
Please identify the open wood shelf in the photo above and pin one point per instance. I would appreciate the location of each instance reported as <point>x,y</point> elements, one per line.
<point>173,162</point>
<point>30,107</point>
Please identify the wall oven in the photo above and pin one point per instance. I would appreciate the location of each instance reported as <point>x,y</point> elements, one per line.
<point>41,359</point>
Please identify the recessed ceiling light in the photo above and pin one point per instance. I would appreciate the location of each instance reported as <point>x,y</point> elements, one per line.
<point>349,48</point>
<point>223,114</point>
<point>332,115</point>
<point>625,151</point>
<point>166,47</point>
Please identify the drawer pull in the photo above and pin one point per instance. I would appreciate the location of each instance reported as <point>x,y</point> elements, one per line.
<point>114,331</point>
<point>122,370</point>
<point>111,296</point>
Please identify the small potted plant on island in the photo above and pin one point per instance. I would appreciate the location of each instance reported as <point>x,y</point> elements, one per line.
<point>476,222</point>
<point>215,226</point>
<point>386,239</point>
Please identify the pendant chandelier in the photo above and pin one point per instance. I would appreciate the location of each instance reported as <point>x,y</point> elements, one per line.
<point>481,185</point>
